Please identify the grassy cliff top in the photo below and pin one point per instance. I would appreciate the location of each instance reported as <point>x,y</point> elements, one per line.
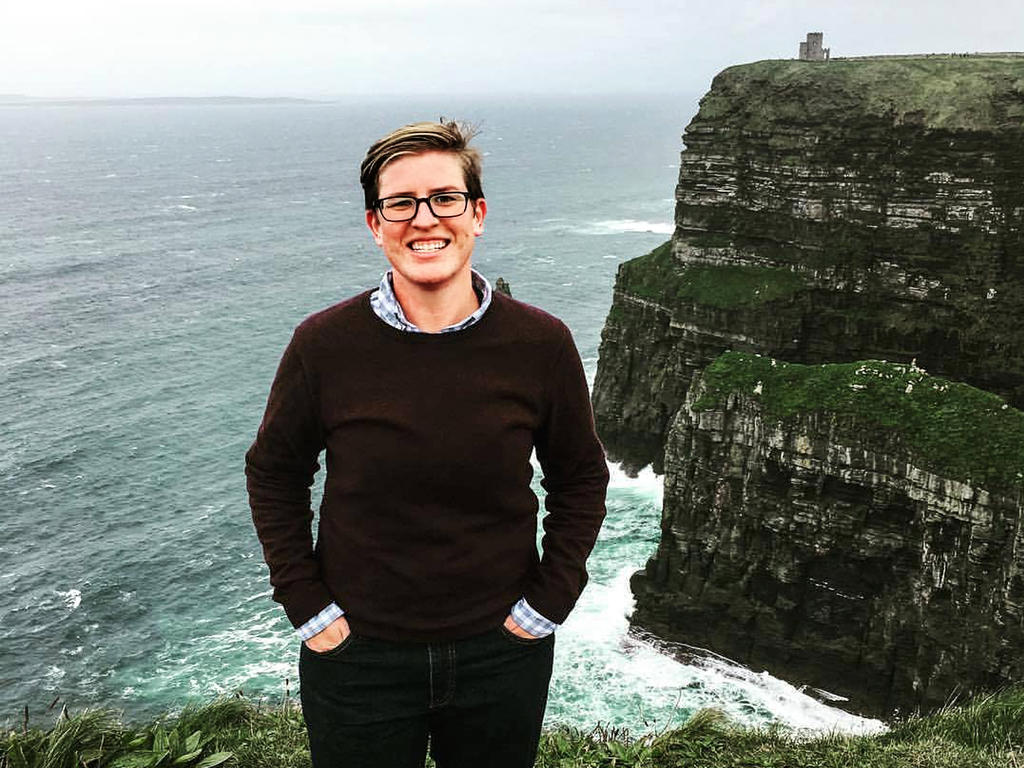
<point>660,277</point>
<point>973,93</point>
<point>952,429</point>
<point>986,732</point>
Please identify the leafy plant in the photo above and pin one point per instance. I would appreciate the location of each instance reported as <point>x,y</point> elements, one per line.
<point>95,739</point>
<point>160,747</point>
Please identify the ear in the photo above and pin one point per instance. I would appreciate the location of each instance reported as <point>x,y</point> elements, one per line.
<point>479,212</point>
<point>375,227</point>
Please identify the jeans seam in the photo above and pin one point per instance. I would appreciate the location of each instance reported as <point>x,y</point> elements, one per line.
<point>430,663</point>
<point>451,675</point>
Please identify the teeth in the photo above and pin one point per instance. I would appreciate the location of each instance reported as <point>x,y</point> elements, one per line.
<point>432,245</point>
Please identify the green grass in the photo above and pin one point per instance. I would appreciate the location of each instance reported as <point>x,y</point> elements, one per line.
<point>660,277</point>
<point>941,92</point>
<point>984,733</point>
<point>951,429</point>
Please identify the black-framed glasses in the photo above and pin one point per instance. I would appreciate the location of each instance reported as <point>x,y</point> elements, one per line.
<point>444,205</point>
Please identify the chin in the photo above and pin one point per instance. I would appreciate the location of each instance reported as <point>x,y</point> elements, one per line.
<point>426,278</point>
<point>430,274</point>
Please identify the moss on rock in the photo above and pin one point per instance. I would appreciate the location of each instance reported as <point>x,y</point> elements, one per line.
<point>950,93</point>
<point>661,277</point>
<point>956,430</point>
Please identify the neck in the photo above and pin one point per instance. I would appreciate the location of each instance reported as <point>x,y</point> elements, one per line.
<point>432,308</point>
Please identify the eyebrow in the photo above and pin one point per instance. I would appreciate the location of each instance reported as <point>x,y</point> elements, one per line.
<point>432,191</point>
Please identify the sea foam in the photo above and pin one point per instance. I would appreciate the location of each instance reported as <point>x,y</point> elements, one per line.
<point>620,226</point>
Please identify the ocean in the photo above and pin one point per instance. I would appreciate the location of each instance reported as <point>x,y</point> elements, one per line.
<point>154,260</point>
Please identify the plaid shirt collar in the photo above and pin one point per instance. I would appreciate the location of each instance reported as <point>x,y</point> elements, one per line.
<point>385,305</point>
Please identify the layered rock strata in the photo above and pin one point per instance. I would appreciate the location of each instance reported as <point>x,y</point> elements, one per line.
<point>828,213</point>
<point>825,212</point>
<point>857,528</point>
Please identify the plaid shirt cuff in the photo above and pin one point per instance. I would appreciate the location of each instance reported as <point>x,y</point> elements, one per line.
<point>531,621</point>
<point>319,623</point>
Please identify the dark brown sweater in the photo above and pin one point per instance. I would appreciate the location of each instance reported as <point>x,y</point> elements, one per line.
<point>428,524</point>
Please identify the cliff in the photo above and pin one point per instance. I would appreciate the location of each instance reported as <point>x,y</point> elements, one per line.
<point>857,209</point>
<point>857,526</point>
<point>827,213</point>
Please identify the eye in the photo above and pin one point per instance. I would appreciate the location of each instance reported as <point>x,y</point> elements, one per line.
<point>398,204</point>
<point>446,199</point>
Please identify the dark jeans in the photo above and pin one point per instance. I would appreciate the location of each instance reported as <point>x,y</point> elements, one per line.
<point>373,703</point>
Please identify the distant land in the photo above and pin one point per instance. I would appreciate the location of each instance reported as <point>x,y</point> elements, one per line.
<point>20,100</point>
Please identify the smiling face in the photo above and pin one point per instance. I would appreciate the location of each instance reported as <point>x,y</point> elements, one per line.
<point>427,253</point>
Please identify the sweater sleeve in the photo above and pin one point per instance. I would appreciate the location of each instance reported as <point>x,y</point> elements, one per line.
<point>279,470</point>
<point>575,477</point>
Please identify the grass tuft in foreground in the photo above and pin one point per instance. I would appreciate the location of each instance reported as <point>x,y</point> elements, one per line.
<point>987,732</point>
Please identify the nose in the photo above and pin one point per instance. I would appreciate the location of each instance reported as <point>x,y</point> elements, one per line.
<point>424,216</point>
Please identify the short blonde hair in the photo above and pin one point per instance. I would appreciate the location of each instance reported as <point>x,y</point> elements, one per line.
<point>413,139</point>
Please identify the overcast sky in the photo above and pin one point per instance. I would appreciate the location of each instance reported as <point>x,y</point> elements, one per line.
<point>70,48</point>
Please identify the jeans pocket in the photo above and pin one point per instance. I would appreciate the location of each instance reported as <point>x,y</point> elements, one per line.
<point>335,651</point>
<point>512,637</point>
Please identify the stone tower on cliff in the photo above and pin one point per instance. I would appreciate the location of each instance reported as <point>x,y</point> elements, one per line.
<point>811,50</point>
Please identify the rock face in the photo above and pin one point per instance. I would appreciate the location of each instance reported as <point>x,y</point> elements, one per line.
<point>838,540</point>
<point>829,213</point>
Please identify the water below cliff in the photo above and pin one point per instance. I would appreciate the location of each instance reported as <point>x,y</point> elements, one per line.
<point>153,261</point>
